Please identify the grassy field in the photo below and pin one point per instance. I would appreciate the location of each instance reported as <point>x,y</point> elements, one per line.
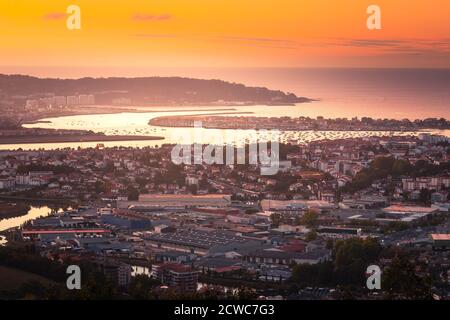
<point>11,279</point>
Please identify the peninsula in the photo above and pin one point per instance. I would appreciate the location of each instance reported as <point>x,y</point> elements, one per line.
<point>141,91</point>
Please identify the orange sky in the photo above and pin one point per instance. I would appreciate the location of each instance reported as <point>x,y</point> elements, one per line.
<point>223,33</point>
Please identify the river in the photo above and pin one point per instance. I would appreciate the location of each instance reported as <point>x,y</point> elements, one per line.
<point>33,213</point>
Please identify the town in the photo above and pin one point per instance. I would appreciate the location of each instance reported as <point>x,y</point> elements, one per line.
<point>150,228</point>
<point>300,124</point>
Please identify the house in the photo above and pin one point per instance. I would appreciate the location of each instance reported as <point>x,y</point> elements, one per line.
<point>116,272</point>
<point>274,275</point>
<point>7,183</point>
<point>276,257</point>
<point>180,277</point>
<point>441,241</point>
<point>440,196</point>
<point>218,265</point>
<point>338,232</point>
<point>174,257</point>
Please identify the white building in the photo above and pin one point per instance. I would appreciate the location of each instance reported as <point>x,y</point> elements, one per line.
<point>22,179</point>
<point>72,101</point>
<point>60,101</point>
<point>83,99</point>
<point>91,99</point>
<point>191,181</point>
<point>31,104</point>
<point>7,183</point>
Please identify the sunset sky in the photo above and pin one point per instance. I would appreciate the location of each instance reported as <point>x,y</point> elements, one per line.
<point>222,33</point>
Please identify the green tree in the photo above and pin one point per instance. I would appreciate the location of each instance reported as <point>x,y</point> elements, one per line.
<point>310,218</point>
<point>133,194</point>
<point>141,287</point>
<point>310,236</point>
<point>352,257</point>
<point>400,278</point>
<point>425,196</point>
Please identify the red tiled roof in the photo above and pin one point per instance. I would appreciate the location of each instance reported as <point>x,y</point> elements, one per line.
<point>43,231</point>
<point>440,236</point>
<point>227,269</point>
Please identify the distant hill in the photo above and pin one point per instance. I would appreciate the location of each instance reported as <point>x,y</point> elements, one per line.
<point>148,90</point>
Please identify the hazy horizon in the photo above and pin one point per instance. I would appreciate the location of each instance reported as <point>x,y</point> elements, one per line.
<point>346,92</point>
<point>207,73</point>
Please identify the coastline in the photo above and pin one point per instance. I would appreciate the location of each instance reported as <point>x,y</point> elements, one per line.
<point>106,109</point>
<point>68,138</point>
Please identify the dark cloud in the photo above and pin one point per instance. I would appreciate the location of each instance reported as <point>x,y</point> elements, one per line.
<point>155,35</point>
<point>255,39</point>
<point>392,46</point>
<point>55,16</point>
<point>372,43</point>
<point>140,17</point>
